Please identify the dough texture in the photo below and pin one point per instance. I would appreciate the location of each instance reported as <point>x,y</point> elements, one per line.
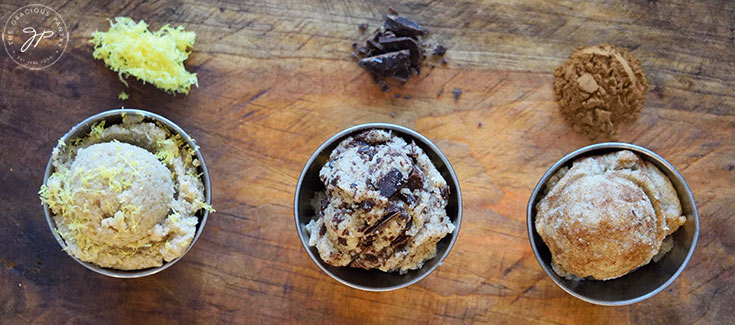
<point>125,197</point>
<point>607,215</point>
<point>384,206</point>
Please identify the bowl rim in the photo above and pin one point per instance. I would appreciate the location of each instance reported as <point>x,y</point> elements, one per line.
<point>122,274</point>
<point>341,135</point>
<point>582,152</point>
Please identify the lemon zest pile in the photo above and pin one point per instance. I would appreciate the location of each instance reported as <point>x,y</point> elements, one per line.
<point>123,95</point>
<point>129,48</point>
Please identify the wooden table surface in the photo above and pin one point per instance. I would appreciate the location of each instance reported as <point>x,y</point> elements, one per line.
<point>276,80</point>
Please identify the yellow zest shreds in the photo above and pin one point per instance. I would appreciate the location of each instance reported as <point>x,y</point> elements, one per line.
<point>123,95</point>
<point>167,150</point>
<point>97,130</point>
<point>129,48</point>
<point>61,143</point>
<point>207,207</point>
<point>63,197</point>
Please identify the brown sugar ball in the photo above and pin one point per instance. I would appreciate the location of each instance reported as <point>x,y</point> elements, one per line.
<point>598,88</point>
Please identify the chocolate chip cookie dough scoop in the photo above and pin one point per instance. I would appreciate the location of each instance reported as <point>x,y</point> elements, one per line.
<point>126,193</point>
<point>378,207</point>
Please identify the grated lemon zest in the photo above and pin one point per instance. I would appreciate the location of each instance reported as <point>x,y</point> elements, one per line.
<point>129,48</point>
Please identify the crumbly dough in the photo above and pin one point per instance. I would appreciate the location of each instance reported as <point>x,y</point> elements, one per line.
<point>384,205</point>
<point>125,197</point>
<point>607,215</point>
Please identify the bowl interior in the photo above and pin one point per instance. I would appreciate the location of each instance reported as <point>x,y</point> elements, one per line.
<point>113,117</point>
<point>376,280</point>
<point>645,281</point>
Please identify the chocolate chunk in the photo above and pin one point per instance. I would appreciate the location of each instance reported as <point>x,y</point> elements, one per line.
<point>408,198</point>
<point>444,191</point>
<point>402,75</point>
<point>367,204</point>
<point>376,47</point>
<point>387,64</point>
<point>400,241</point>
<point>362,27</point>
<point>322,230</point>
<point>366,152</point>
<point>353,185</point>
<point>371,258</point>
<point>439,50</point>
<point>345,232</point>
<point>402,43</point>
<point>440,92</point>
<point>391,183</point>
<point>342,241</point>
<point>392,212</point>
<point>334,180</point>
<point>392,11</point>
<point>324,203</point>
<point>457,93</point>
<point>415,180</point>
<point>403,26</point>
<point>383,86</point>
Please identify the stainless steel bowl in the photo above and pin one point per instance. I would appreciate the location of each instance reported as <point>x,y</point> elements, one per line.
<point>644,282</point>
<point>112,117</point>
<point>374,280</point>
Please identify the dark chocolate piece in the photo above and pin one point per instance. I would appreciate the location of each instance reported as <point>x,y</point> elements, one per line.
<point>366,152</point>
<point>381,222</point>
<point>444,191</point>
<point>402,75</point>
<point>439,50</point>
<point>457,93</point>
<point>408,198</point>
<point>322,230</point>
<point>383,86</point>
<point>362,27</point>
<point>415,180</point>
<point>440,92</point>
<point>371,258</point>
<point>402,43</point>
<point>391,183</point>
<point>367,205</point>
<point>403,26</point>
<point>388,64</point>
<point>342,241</point>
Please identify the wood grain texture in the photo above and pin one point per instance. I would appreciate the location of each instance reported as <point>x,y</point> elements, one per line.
<point>276,81</point>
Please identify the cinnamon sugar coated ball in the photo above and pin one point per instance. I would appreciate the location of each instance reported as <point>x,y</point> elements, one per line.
<point>607,215</point>
<point>598,88</point>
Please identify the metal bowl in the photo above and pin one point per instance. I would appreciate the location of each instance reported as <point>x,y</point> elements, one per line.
<point>374,280</point>
<point>646,281</point>
<point>112,117</point>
